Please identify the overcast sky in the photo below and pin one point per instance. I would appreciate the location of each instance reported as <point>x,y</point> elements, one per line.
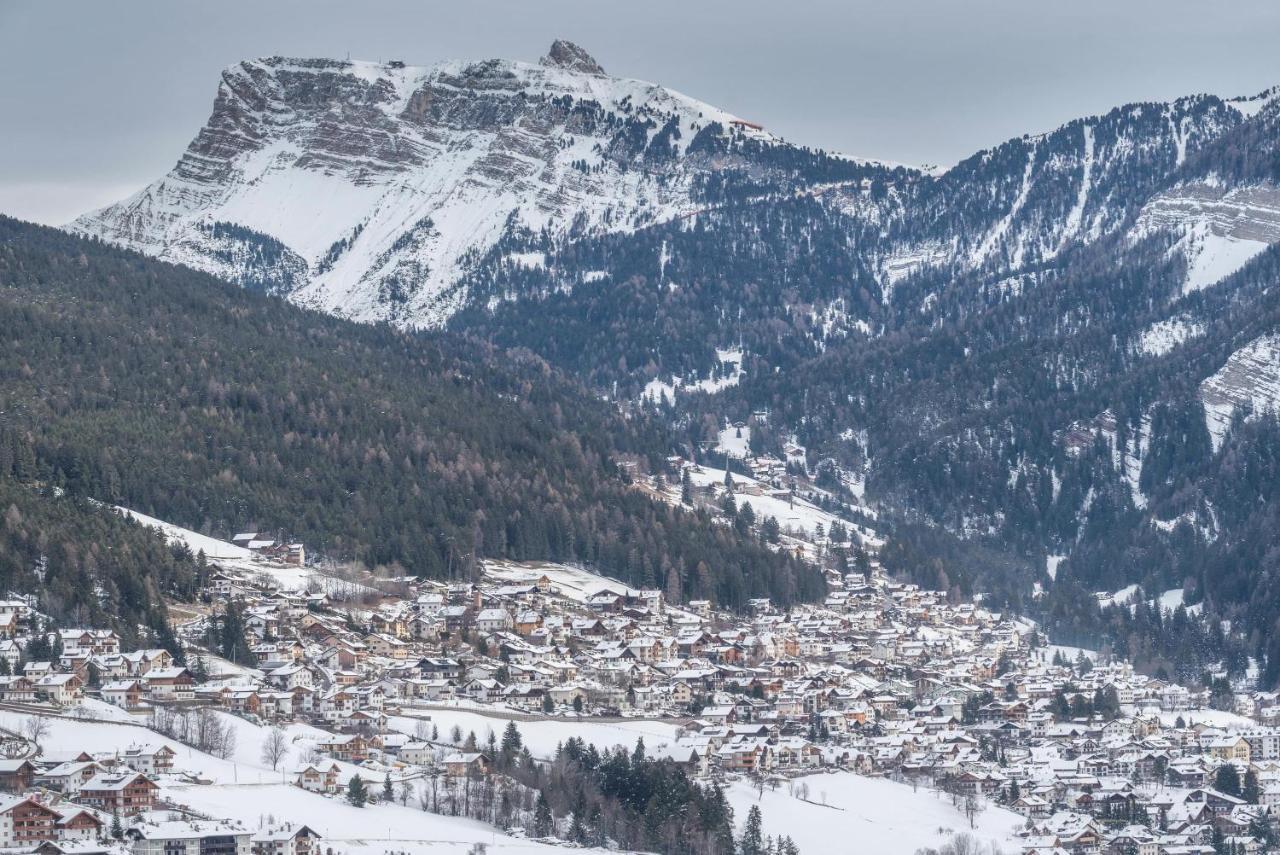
<point>98,98</point>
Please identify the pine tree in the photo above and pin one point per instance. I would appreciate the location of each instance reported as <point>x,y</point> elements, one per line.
<point>542,817</point>
<point>752,841</point>
<point>1251,792</point>
<point>1227,780</point>
<point>357,794</point>
<point>388,790</point>
<point>511,740</point>
<point>578,831</point>
<point>117,830</point>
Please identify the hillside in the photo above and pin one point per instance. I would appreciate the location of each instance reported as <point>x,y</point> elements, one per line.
<point>81,564</point>
<point>146,385</point>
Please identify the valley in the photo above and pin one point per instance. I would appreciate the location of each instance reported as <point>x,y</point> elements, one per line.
<point>504,455</point>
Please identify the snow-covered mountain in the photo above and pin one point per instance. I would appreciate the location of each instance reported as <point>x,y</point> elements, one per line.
<point>367,190</point>
<point>377,191</point>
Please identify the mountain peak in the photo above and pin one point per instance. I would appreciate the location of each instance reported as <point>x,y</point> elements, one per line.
<point>565,54</point>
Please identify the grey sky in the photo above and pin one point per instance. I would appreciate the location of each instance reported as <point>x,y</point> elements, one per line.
<point>100,97</point>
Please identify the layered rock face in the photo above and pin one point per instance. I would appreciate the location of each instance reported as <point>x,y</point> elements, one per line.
<point>368,190</point>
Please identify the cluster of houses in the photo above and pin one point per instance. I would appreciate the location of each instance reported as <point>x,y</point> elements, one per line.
<point>73,803</point>
<point>882,678</point>
<point>81,659</point>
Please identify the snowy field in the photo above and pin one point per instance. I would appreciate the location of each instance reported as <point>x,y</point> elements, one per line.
<point>212,547</point>
<point>1213,718</point>
<point>735,442</point>
<point>373,829</point>
<point>286,577</point>
<point>574,583</point>
<point>542,737</point>
<point>1045,654</point>
<point>243,787</point>
<point>1212,257</point>
<point>1163,336</point>
<point>870,815</point>
<point>792,515</point>
<point>657,389</point>
<point>1167,601</point>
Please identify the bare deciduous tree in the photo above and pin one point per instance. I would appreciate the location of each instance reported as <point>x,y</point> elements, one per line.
<point>275,747</point>
<point>36,728</point>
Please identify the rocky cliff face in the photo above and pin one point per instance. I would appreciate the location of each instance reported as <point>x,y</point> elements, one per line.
<point>1248,384</point>
<point>368,190</point>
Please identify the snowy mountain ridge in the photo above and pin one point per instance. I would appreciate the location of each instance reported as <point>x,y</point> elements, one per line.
<point>366,189</point>
<point>371,190</point>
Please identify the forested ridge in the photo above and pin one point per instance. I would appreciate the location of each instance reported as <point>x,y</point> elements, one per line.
<point>87,565</point>
<point>148,385</point>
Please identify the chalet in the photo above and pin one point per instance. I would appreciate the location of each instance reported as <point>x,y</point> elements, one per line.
<point>123,793</point>
<point>68,777</point>
<point>21,689</point>
<point>446,669</point>
<point>494,620</point>
<point>126,694</point>
<point>290,676</point>
<point>25,822</point>
<point>77,825</point>
<point>394,625</point>
<point>319,779</point>
<point>388,646</point>
<point>149,760</point>
<point>59,688</point>
<point>103,642</point>
<point>188,837</point>
<point>16,775</point>
<point>417,753</point>
<point>169,684</point>
<point>464,765</point>
<point>17,608</point>
<point>351,747</point>
<point>285,840</point>
<point>244,701</point>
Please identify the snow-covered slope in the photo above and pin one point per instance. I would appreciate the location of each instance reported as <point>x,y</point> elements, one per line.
<point>1029,199</point>
<point>213,548</point>
<point>1220,228</point>
<point>1250,380</point>
<point>367,190</point>
<point>850,813</point>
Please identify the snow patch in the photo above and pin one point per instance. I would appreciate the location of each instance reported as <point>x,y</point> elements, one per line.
<point>197,543</point>
<point>1164,336</point>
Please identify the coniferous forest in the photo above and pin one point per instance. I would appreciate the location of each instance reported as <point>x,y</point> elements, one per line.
<point>142,384</point>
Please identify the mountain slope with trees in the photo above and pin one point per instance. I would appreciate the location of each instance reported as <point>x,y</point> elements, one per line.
<point>152,386</point>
